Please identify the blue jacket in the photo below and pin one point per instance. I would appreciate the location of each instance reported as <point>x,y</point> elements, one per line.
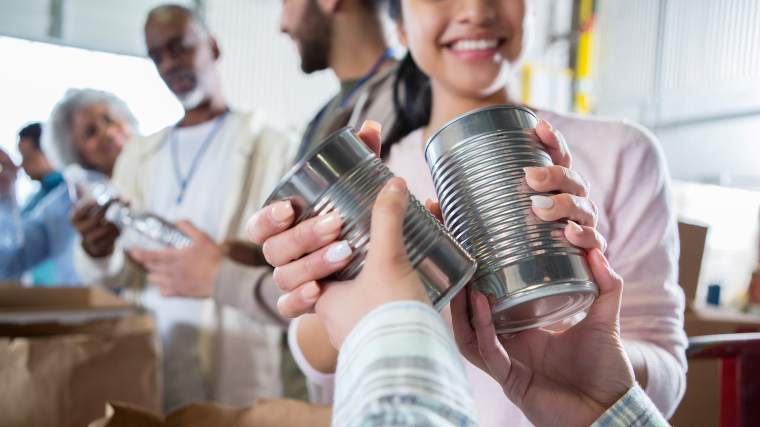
<point>44,233</point>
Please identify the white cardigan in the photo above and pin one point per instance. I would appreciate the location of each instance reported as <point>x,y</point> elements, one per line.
<point>240,347</point>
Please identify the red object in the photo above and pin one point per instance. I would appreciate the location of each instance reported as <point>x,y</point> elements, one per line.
<point>739,374</point>
<point>754,288</point>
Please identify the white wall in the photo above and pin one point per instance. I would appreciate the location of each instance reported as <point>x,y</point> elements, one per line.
<point>261,67</point>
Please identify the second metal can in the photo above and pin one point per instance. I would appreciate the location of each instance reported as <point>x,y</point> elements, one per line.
<point>531,274</point>
<point>343,175</point>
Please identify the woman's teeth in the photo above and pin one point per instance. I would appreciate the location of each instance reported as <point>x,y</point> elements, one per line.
<point>481,44</point>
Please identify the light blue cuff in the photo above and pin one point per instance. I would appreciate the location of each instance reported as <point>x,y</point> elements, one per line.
<point>634,409</point>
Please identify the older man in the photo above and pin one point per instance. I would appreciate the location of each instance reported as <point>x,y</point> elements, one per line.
<point>212,169</point>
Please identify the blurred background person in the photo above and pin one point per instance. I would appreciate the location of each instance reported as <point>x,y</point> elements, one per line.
<point>210,171</point>
<point>346,37</point>
<point>37,167</point>
<point>36,164</point>
<point>88,128</point>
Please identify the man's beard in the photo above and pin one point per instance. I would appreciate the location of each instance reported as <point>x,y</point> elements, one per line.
<point>192,99</point>
<point>315,35</point>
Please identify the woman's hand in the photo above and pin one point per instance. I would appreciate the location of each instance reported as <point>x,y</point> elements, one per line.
<point>307,252</point>
<point>572,201</point>
<point>556,379</point>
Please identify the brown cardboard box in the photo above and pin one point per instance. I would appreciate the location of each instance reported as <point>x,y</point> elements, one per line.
<point>701,403</point>
<point>264,413</point>
<point>65,352</point>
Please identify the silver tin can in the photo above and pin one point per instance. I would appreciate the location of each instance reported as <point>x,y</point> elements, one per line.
<point>530,273</point>
<point>342,174</point>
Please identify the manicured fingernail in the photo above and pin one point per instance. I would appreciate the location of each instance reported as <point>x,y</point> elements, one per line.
<point>338,252</point>
<point>329,224</point>
<point>575,227</point>
<point>371,124</point>
<point>282,211</point>
<point>395,185</point>
<point>536,173</point>
<point>310,291</point>
<point>541,202</point>
<point>548,125</point>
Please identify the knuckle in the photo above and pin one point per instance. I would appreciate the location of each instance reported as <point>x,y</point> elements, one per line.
<point>303,234</point>
<point>555,178</point>
<point>387,206</point>
<point>567,203</point>
<point>310,267</point>
<point>594,207</point>
<point>579,181</point>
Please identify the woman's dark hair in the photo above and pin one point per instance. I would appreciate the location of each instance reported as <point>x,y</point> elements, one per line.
<point>412,96</point>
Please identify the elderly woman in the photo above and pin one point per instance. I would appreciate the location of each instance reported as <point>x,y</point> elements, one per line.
<point>88,128</point>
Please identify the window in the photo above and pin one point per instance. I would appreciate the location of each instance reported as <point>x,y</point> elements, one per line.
<point>36,76</point>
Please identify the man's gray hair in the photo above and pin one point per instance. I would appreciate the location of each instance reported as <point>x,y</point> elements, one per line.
<point>57,140</point>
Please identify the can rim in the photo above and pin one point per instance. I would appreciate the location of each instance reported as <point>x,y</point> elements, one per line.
<point>303,161</point>
<point>448,124</point>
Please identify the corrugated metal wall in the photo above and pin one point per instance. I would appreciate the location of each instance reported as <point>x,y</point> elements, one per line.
<point>669,61</point>
<point>261,67</point>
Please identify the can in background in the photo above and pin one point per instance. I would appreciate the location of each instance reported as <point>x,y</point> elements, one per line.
<point>530,273</point>
<point>342,174</point>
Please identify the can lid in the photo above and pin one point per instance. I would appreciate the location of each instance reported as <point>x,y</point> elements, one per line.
<point>337,155</point>
<point>482,120</point>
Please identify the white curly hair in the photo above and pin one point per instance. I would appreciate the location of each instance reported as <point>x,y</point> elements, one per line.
<point>57,141</point>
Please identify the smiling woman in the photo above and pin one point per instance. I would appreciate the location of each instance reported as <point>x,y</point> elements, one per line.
<point>42,72</point>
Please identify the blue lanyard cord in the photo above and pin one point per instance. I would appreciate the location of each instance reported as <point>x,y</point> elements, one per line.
<point>388,54</point>
<point>184,182</point>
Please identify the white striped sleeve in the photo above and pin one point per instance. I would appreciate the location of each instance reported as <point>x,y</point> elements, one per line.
<point>400,366</point>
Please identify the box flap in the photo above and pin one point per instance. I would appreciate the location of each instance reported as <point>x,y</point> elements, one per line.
<point>692,238</point>
<point>61,305</point>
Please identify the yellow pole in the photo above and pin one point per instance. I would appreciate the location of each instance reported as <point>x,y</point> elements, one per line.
<point>584,57</point>
<point>527,75</point>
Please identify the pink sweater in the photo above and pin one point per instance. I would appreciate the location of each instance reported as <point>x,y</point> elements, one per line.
<point>630,184</point>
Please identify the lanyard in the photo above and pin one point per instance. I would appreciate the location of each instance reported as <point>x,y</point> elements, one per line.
<point>372,71</point>
<point>183,182</point>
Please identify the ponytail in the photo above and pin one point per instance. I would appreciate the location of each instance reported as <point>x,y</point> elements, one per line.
<point>412,99</point>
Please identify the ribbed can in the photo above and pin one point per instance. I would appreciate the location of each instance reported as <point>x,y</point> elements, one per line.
<point>531,274</point>
<point>342,174</point>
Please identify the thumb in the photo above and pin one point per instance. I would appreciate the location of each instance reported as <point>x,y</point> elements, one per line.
<point>370,134</point>
<point>386,244</point>
<point>607,305</point>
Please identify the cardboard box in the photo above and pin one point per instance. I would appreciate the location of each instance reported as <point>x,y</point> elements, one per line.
<point>65,352</point>
<point>701,402</point>
<point>264,413</point>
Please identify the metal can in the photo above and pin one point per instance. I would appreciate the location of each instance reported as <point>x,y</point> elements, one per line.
<point>530,273</point>
<point>342,174</point>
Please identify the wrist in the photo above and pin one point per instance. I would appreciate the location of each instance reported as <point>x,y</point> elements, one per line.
<point>95,253</point>
<point>215,266</point>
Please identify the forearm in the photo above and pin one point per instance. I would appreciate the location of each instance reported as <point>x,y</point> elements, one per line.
<point>639,363</point>
<point>660,374</point>
<point>320,374</point>
<point>315,345</point>
<point>250,290</point>
<point>400,363</point>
